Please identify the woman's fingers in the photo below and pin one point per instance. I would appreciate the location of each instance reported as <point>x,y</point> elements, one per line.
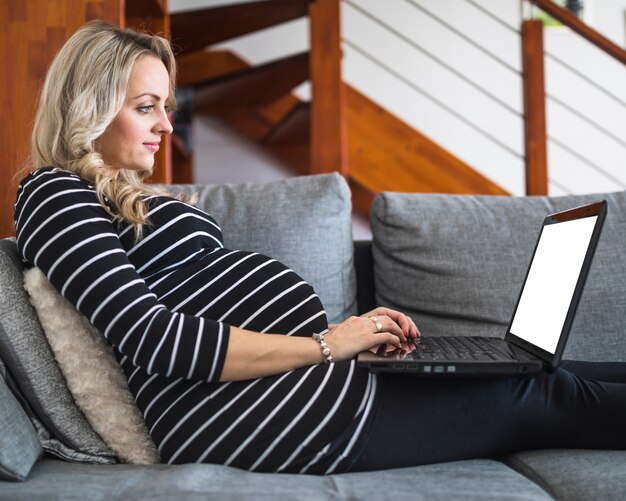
<point>405,322</point>
<point>384,324</point>
<point>386,338</point>
<point>413,330</point>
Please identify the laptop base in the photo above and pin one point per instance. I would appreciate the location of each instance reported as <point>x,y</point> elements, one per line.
<point>451,368</point>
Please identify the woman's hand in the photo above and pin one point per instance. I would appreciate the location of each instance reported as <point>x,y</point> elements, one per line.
<point>381,326</point>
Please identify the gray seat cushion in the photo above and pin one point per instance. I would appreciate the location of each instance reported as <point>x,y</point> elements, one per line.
<point>304,222</point>
<point>478,479</point>
<point>456,264</point>
<point>575,474</point>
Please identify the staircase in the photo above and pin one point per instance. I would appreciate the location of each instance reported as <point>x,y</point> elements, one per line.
<point>342,129</point>
<point>339,129</point>
<point>376,143</point>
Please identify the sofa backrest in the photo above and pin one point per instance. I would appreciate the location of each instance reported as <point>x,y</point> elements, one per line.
<point>456,264</point>
<point>304,222</point>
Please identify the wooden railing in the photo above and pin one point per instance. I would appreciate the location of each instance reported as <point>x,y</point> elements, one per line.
<point>534,87</point>
<point>571,21</point>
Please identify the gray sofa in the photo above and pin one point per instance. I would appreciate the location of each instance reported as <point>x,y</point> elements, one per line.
<point>453,262</point>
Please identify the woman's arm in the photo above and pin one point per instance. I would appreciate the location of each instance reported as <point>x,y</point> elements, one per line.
<point>252,355</point>
<point>62,229</point>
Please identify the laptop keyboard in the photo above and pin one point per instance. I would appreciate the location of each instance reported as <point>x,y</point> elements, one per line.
<point>460,348</point>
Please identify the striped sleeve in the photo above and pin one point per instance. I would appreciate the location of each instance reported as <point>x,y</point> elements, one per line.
<point>62,229</point>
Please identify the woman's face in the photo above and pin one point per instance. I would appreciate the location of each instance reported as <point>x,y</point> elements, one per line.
<point>133,137</point>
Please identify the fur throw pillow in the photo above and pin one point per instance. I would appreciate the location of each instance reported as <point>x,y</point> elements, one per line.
<point>93,375</point>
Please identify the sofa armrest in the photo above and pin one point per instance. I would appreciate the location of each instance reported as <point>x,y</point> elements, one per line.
<point>364,266</point>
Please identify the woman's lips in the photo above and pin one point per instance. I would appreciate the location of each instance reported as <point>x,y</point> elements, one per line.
<point>153,147</point>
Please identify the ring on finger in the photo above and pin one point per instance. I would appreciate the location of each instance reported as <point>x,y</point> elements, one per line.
<point>377,323</point>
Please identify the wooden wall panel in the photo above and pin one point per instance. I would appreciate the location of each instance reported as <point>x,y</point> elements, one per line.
<point>33,31</point>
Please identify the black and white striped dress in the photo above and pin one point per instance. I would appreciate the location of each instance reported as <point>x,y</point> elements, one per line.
<point>166,304</point>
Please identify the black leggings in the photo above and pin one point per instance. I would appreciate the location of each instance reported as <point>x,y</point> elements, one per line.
<point>419,421</point>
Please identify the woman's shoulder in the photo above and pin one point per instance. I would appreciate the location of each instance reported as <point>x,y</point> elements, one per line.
<point>46,183</point>
<point>43,175</point>
<point>47,180</point>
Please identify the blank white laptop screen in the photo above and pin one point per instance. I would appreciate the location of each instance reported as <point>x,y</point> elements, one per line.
<point>551,282</point>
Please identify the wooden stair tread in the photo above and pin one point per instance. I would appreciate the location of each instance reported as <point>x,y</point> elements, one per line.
<point>199,28</point>
<point>146,8</point>
<point>204,65</point>
<point>254,86</point>
<point>289,139</point>
<point>254,123</point>
<point>294,128</point>
<point>385,154</point>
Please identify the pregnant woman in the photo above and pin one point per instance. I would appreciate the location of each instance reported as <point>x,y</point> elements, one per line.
<point>228,353</point>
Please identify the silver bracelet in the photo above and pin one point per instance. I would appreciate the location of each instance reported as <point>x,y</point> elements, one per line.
<point>324,347</point>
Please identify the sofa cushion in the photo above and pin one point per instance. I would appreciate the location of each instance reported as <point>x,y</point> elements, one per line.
<point>456,264</point>
<point>26,353</point>
<point>575,474</point>
<point>477,479</point>
<point>19,444</point>
<point>305,222</point>
<point>93,375</point>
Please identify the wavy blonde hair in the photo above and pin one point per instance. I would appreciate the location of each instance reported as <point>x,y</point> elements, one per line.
<point>84,90</point>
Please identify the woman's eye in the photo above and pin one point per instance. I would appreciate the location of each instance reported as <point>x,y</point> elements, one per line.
<point>145,109</point>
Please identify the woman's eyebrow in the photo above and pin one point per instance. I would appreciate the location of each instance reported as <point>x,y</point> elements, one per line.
<point>155,96</point>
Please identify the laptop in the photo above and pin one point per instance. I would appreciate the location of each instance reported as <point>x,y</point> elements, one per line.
<point>541,321</point>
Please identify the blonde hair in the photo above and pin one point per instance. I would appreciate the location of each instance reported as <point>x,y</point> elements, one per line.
<point>84,90</point>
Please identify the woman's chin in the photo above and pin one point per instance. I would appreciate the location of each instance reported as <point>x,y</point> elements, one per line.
<point>145,173</point>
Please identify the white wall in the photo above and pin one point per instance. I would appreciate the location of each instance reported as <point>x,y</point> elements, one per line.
<point>467,99</point>
<point>435,64</point>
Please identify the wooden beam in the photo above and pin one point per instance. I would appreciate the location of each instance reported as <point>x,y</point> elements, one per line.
<point>535,136</point>
<point>328,132</point>
<point>197,29</point>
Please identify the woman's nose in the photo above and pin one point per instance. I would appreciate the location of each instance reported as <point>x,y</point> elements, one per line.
<point>164,126</point>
